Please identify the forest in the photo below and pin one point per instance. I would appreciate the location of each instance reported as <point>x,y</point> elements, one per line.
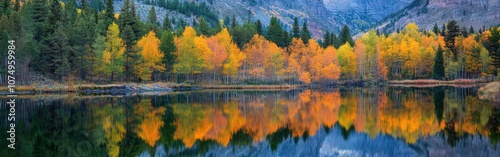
<point>76,42</point>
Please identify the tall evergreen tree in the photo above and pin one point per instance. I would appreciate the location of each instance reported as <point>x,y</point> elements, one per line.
<point>305,35</point>
<point>233,22</point>
<point>80,38</point>
<point>443,30</point>
<point>168,48</point>
<point>203,28</point>
<point>471,30</point>
<point>17,5</point>
<point>258,26</point>
<point>167,26</point>
<point>109,12</point>
<point>327,39</point>
<point>275,32</point>
<point>152,18</point>
<point>287,39</point>
<point>436,29</point>
<point>464,32</point>
<point>131,55</point>
<point>493,46</point>
<point>296,28</point>
<point>334,40</point>
<point>345,36</point>
<point>453,30</point>
<point>439,64</point>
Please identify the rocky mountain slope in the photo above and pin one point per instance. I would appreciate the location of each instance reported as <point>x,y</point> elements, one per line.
<point>426,13</point>
<point>321,15</point>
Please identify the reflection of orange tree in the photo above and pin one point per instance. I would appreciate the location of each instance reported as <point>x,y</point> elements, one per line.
<point>407,115</point>
<point>149,130</point>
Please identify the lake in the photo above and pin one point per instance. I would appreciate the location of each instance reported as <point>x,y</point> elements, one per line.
<point>386,121</point>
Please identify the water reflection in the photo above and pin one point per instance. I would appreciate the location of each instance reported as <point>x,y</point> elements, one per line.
<point>309,122</point>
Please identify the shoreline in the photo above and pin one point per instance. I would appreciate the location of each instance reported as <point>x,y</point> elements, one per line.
<point>168,86</point>
<point>439,82</point>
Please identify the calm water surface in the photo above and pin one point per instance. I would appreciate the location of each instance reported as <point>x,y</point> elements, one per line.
<point>392,121</point>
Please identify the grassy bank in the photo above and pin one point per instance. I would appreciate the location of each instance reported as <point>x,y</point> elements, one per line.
<point>490,91</point>
<point>250,86</point>
<point>438,82</point>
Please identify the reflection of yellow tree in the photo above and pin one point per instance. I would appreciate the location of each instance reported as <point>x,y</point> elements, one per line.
<point>113,125</point>
<point>476,116</point>
<point>192,122</point>
<point>402,114</point>
<point>410,121</point>
<point>348,109</point>
<point>149,130</point>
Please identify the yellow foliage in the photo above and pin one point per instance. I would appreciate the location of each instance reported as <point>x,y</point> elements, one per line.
<point>151,57</point>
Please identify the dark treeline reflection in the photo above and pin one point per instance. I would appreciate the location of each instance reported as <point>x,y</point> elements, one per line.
<point>191,123</point>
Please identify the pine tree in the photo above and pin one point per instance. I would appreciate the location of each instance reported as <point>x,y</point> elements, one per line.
<point>258,26</point>
<point>131,55</point>
<point>345,36</point>
<point>17,5</point>
<point>296,28</point>
<point>305,35</point>
<point>464,32</point>
<point>326,39</point>
<point>81,36</point>
<point>167,46</point>
<point>453,30</point>
<point>152,18</point>
<point>436,29</point>
<point>471,30</point>
<point>55,52</point>
<point>439,64</point>
<point>233,22</point>
<point>274,31</point>
<point>443,30</point>
<point>287,39</point>
<point>334,40</point>
<point>167,26</point>
<point>203,28</point>
<point>54,17</point>
<point>109,13</point>
<point>493,46</point>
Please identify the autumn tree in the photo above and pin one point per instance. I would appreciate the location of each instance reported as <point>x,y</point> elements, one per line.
<point>113,54</point>
<point>347,62</point>
<point>189,60</point>
<point>234,57</point>
<point>258,64</point>
<point>151,57</point>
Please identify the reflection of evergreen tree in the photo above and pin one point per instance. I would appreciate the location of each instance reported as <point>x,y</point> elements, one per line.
<point>241,138</point>
<point>439,102</point>
<point>277,137</point>
<point>451,135</point>
<point>346,132</point>
<point>494,124</point>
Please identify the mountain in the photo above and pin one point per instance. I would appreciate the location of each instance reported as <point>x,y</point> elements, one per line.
<point>321,15</point>
<point>425,13</point>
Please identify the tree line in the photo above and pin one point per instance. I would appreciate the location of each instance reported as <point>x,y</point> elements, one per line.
<point>73,42</point>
